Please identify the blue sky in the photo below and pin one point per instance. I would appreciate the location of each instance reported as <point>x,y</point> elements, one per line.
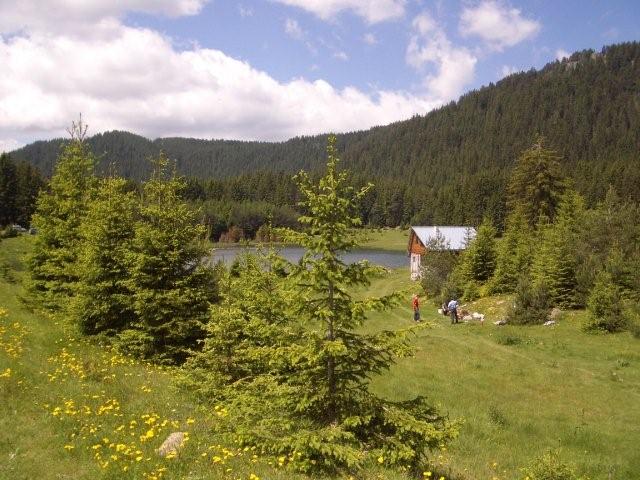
<point>272,69</point>
<point>255,31</point>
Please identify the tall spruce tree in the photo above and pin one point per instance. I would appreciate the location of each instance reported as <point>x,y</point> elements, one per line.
<point>555,260</point>
<point>59,212</point>
<point>319,413</point>
<point>171,284</point>
<point>537,183</point>
<point>103,294</point>
<point>514,254</point>
<point>479,260</point>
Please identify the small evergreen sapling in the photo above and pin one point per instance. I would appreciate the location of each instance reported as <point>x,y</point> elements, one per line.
<point>531,303</point>
<point>555,261</point>
<point>606,311</point>
<point>103,294</point>
<point>315,410</point>
<point>479,259</point>
<point>514,254</point>
<point>250,332</point>
<point>172,287</point>
<point>59,213</point>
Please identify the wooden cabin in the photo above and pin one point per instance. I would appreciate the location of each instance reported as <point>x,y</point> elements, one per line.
<point>448,238</point>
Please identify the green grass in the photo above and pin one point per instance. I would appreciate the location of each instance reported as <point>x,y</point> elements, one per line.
<point>519,391</point>
<point>392,239</point>
<point>522,390</point>
<point>43,366</point>
<point>386,239</point>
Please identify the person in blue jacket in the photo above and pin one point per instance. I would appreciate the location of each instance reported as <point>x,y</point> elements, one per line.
<point>452,306</point>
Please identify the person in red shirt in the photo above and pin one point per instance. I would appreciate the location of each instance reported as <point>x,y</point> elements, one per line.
<point>416,308</point>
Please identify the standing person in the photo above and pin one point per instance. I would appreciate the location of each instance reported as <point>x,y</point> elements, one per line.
<point>453,311</point>
<point>416,307</point>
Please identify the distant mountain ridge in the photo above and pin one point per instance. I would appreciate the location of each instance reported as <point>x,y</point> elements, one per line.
<point>586,106</point>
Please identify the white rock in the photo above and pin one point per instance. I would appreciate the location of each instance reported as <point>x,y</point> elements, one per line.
<point>172,444</point>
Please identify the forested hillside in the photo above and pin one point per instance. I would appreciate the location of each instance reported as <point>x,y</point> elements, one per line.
<point>449,166</point>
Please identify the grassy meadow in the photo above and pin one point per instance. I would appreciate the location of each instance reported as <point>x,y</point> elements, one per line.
<point>73,410</point>
<point>522,390</point>
<point>394,239</point>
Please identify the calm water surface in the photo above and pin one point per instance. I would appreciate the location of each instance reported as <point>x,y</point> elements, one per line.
<point>293,254</point>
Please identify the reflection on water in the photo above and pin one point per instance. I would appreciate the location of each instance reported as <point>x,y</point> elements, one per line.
<point>293,254</point>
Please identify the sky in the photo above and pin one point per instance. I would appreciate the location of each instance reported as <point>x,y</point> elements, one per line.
<point>272,69</point>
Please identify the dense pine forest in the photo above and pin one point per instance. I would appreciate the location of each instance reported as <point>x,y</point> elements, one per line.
<point>450,166</point>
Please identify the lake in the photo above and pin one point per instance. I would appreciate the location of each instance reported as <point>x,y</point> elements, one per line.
<point>383,258</point>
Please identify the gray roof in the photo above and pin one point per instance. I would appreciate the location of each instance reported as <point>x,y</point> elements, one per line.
<point>454,236</point>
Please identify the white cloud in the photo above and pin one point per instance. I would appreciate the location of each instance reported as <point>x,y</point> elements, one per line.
<point>292,28</point>
<point>341,56</point>
<point>455,65</point>
<point>9,144</point>
<point>370,39</point>
<point>561,53</point>
<point>74,15</point>
<point>135,79</point>
<point>498,25</point>
<point>373,11</point>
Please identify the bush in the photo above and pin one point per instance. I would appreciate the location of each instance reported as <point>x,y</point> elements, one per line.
<point>550,467</point>
<point>606,311</point>
<point>135,342</point>
<point>531,304</point>
<point>453,287</point>
<point>471,292</point>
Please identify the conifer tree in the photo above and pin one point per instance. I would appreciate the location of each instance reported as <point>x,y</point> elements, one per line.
<point>605,307</point>
<point>479,258</point>
<point>514,254</point>
<point>103,294</point>
<point>319,413</point>
<point>249,331</point>
<point>59,212</point>
<point>172,287</point>
<point>555,259</point>
<point>29,184</point>
<point>537,183</point>
<point>8,190</point>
